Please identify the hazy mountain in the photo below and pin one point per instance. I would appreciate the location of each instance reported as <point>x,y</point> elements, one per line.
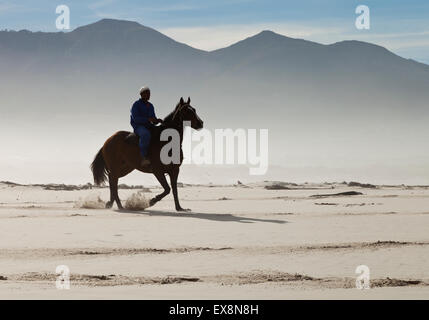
<point>350,65</point>
<point>349,102</point>
<point>112,45</point>
<point>129,52</point>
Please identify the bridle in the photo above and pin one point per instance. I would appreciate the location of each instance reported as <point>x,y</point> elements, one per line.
<point>179,109</point>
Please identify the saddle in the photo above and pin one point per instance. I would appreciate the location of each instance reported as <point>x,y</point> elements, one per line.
<point>132,138</point>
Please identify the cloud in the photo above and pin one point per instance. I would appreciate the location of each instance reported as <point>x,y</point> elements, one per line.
<point>100,4</point>
<point>413,43</point>
<point>171,8</point>
<point>396,41</point>
<point>215,37</point>
<point>192,5</point>
<point>6,7</point>
<point>108,15</point>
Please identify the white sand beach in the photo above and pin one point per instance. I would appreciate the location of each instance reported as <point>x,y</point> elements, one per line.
<point>238,242</point>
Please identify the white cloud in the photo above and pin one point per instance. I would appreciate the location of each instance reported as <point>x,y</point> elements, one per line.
<point>100,4</point>
<point>174,7</point>
<point>8,7</point>
<point>396,41</point>
<point>215,37</point>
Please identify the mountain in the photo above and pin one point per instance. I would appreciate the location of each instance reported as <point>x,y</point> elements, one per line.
<point>278,57</point>
<point>120,55</point>
<point>105,44</point>
<point>125,48</point>
<point>114,44</point>
<point>344,99</point>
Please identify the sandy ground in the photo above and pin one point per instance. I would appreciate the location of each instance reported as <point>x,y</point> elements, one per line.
<point>239,242</point>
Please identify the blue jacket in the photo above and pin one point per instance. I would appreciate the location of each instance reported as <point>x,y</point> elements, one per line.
<point>140,114</point>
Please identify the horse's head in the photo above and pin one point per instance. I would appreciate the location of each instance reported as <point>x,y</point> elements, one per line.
<point>185,112</point>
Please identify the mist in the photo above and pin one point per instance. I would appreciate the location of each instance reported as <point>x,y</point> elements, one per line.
<point>347,111</point>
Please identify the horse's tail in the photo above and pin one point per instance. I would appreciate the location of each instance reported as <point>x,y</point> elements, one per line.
<point>98,168</point>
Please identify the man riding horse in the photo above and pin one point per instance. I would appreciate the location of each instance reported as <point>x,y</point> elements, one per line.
<point>122,152</point>
<point>143,119</point>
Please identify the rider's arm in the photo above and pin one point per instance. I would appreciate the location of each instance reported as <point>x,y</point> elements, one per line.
<point>155,120</point>
<point>153,117</point>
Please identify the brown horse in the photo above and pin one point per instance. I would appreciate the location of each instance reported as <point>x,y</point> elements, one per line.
<point>120,155</point>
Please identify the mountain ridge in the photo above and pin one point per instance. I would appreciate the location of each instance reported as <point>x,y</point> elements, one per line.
<point>114,25</point>
<point>123,52</point>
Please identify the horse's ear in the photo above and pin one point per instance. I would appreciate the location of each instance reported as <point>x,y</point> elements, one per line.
<point>181,100</point>
<point>189,100</point>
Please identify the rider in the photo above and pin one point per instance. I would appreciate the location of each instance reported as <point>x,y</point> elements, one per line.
<point>142,120</point>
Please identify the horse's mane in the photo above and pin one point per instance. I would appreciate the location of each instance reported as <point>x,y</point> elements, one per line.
<point>169,118</point>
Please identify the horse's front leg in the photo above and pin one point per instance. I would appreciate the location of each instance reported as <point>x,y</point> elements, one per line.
<point>161,178</point>
<point>174,174</point>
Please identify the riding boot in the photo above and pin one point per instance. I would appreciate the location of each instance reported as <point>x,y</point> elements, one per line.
<point>145,162</point>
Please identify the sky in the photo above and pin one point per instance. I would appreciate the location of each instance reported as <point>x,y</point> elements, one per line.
<point>401,26</point>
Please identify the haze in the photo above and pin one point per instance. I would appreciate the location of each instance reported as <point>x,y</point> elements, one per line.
<point>346,111</point>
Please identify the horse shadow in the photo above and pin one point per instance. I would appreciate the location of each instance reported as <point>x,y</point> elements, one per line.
<point>220,217</point>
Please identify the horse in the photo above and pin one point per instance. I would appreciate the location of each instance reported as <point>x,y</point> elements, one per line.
<point>120,155</point>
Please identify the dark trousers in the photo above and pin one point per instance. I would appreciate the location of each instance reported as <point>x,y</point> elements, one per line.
<point>144,135</point>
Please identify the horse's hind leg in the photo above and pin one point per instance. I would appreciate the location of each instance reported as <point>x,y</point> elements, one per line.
<point>113,184</point>
<point>109,203</point>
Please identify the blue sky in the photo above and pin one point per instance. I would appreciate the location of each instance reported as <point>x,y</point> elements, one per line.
<point>401,26</point>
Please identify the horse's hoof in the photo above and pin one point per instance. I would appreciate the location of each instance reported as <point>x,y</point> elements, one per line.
<point>152,202</point>
<point>109,204</point>
<point>183,210</point>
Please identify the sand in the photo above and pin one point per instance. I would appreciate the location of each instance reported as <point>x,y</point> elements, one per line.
<point>239,242</point>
